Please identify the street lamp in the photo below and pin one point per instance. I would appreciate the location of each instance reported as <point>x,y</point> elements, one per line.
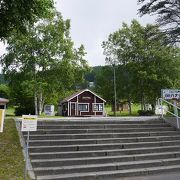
<point>112,62</point>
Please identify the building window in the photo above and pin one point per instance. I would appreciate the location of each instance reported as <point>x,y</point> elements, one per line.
<point>98,107</point>
<point>83,107</point>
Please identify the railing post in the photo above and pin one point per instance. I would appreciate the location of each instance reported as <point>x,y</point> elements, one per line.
<point>26,159</point>
<point>176,113</point>
<point>161,104</point>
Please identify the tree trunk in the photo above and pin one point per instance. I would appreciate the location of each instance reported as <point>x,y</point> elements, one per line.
<point>40,103</point>
<point>130,108</point>
<point>142,95</point>
<point>142,102</point>
<point>35,102</point>
<point>113,108</point>
<point>35,92</point>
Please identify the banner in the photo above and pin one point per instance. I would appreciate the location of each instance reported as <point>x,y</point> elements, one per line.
<point>2,112</point>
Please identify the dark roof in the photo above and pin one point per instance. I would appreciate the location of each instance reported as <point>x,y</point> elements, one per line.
<point>80,92</point>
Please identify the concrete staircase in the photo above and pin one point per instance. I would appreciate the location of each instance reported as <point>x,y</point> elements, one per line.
<point>103,149</point>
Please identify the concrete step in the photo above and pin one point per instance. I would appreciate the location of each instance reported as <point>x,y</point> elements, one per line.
<point>100,121</point>
<point>101,135</point>
<point>102,141</point>
<point>102,160</point>
<point>70,148</point>
<point>103,148</point>
<point>89,131</point>
<point>96,153</point>
<point>105,167</point>
<point>101,126</point>
<point>106,175</point>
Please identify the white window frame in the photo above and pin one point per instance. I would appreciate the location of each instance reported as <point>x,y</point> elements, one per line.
<point>83,104</point>
<point>98,104</point>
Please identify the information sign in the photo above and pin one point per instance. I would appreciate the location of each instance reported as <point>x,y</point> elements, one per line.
<point>29,123</point>
<point>169,94</point>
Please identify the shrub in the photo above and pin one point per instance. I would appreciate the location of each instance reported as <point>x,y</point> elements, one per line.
<point>145,112</point>
<point>24,110</point>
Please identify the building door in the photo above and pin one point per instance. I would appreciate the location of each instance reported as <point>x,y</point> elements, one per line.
<point>73,109</point>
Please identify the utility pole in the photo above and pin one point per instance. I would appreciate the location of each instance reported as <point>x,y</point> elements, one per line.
<point>115,95</point>
<point>113,63</point>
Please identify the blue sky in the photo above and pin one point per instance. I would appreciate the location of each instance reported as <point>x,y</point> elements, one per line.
<point>93,20</point>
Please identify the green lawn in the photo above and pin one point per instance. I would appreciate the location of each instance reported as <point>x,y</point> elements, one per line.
<point>135,108</point>
<point>10,111</point>
<point>11,157</point>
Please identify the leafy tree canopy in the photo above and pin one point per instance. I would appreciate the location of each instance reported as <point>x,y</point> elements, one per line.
<point>168,15</point>
<point>146,62</point>
<point>4,91</point>
<point>2,81</point>
<point>17,14</point>
<point>44,60</point>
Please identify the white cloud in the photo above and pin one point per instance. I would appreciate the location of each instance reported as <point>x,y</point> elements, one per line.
<point>93,20</point>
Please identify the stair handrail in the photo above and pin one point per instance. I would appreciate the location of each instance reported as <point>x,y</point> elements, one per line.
<point>176,108</point>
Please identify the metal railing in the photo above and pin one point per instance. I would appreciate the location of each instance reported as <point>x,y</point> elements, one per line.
<point>161,102</point>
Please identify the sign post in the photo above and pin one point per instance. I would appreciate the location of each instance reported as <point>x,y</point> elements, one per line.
<point>2,112</point>
<point>29,123</point>
<point>176,113</point>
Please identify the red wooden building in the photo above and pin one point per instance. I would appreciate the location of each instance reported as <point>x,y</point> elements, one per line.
<point>82,103</point>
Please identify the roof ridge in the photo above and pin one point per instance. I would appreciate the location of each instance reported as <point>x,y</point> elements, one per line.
<point>79,92</point>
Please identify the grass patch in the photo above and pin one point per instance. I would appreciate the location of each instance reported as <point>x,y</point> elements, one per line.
<point>10,111</point>
<point>135,108</point>
<point>11,157</point>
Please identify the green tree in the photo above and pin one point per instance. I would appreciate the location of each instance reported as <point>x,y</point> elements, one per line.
<point>47,60</point>
<point>16,15</point>
<point>104,83</point>
<point>4,91</point>
<point>21,93</point>
<point>148,63</point>
<point>2,81</point>
<point>168,15</point>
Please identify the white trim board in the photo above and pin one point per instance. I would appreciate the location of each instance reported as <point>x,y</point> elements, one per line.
<point>85,91</point>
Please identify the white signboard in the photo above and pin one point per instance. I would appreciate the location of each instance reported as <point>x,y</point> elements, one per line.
<point>2,112</point>
<point>29,123</point>
<point>170,94</point>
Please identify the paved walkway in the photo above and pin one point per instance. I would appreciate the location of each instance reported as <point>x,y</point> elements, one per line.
<point>165,176</point>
